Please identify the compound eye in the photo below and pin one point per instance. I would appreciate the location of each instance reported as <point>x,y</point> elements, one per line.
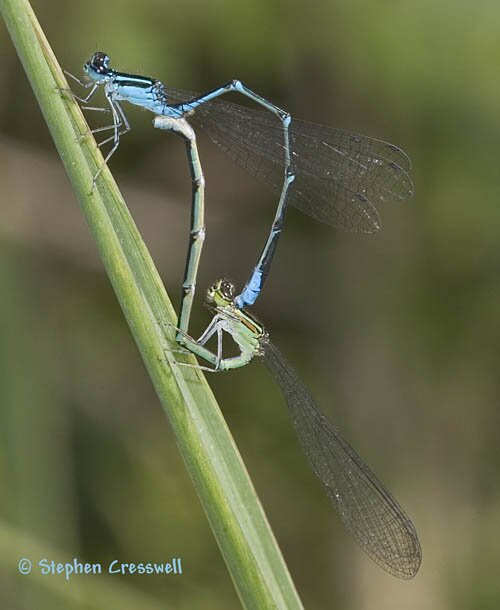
<point>227,289</point>
<point>100,62</point>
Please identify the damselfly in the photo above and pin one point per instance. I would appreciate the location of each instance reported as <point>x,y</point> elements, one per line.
<point>365,506</point>
<point>332,175</point>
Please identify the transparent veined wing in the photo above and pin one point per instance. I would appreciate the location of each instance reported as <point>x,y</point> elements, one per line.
<point>366,507</point>
<point>339,176</point>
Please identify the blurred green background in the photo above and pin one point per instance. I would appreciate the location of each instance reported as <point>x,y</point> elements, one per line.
<point>397,335</point>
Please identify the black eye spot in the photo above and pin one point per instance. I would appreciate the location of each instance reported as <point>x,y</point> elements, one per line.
<point>99,62</point>
<point>227,289</point>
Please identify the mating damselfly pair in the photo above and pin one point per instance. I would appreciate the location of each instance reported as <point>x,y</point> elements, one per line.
<point>335,177</point>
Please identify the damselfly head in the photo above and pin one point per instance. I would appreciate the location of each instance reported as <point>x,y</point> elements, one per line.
<point>98,66</point>
<point>221,293</point>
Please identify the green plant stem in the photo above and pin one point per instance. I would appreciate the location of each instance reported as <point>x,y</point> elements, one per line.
<point>223,485</point>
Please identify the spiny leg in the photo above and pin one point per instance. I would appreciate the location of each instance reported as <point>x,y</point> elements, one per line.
<point>197,346</point>
<point>119,120</point>
<point>85,85</point>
